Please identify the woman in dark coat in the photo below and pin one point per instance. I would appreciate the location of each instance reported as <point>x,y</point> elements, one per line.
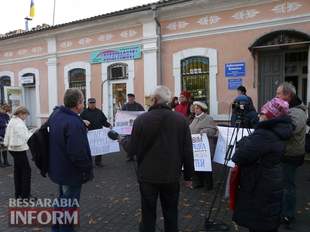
<point>259,194</point>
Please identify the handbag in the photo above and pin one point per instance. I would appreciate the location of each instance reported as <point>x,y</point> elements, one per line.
<point>233,186</point>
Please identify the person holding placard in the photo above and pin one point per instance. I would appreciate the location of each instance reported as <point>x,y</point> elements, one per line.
<point>259,191</point>
<point>203,123</point>
<point>97,120</point>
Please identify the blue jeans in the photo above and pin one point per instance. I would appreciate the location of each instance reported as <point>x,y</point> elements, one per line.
<point>67,192</point>
<point>289,194</point>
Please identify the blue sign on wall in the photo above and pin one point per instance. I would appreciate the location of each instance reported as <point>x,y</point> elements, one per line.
<point>235,69</point>
<point>234,83</point>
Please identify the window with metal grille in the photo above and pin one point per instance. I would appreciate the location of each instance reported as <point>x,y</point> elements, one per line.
<point>77,79</point>
<point>118,71</point>
<point>4,81</point>
<point>195,77</point>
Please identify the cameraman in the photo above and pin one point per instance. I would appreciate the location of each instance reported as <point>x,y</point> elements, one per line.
<point>243,109</point>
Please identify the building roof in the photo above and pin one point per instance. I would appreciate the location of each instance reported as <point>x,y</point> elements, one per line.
<point>45,27</point>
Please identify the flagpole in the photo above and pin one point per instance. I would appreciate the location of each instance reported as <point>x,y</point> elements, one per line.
<point>54,12</point>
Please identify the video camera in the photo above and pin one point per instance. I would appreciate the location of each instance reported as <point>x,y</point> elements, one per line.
<point>241,105</point>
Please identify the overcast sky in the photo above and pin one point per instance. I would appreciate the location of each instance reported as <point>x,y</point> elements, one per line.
<point>13,12</point>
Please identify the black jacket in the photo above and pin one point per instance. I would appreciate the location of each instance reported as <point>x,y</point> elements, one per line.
<point>259,196</point>
<point>96,118</point>
<point>133,107</point>
<point>162,142</point>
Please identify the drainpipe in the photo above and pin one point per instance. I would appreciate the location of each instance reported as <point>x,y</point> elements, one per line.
<point>158,32</point>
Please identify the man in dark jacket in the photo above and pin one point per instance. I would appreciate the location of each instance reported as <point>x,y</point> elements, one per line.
<point>70,163</point>
<point>97,120</point>
<point>295,149</point>
<point>162,143</point>
<point>132,105</point>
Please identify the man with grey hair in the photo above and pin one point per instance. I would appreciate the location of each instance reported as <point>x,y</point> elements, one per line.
<point>70,162</point>
<point>295,149</point>
<point>162,143</point>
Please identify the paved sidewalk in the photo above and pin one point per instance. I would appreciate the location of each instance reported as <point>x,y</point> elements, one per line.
<point>111,201</point>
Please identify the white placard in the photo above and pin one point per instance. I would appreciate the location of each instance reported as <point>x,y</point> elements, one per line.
<point>224,138</point>
<point>100,143</point>
<point>124,121</point>
<point>202,154</point>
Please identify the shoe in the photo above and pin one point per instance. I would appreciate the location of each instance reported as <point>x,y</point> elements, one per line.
<point>287,220</point>
<point>130,159</point>
<point>2,165</point>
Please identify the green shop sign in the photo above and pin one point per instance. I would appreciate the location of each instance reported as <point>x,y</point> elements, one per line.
<point>110,55</point>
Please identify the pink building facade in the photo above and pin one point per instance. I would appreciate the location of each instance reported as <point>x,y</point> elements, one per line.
<point>207,47</point>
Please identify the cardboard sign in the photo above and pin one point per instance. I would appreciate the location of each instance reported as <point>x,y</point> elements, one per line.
<point>202,155</point>
<point>124,121</point>
<point>100,143</point>
<point>224,138</point>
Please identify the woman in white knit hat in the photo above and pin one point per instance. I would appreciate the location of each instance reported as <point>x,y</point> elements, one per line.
<point>16,137</point>
<point>203,123</point>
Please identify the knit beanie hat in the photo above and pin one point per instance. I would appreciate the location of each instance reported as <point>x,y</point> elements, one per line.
<point>274,108</point>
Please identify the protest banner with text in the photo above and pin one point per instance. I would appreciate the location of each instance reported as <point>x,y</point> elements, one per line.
<point>202,154</point>
<point>100,143</point>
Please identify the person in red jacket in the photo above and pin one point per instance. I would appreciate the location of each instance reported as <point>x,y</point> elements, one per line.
<point>184,106</point>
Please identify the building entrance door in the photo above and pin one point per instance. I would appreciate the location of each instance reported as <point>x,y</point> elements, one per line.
<point>282,56</point>
<point>118,95</point>
<point>271,74</point>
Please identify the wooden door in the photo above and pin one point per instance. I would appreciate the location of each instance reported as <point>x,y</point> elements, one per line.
<point>271,75</point>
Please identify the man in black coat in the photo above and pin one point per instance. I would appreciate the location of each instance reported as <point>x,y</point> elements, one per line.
<point>162,143</point>
<point>95,119</point>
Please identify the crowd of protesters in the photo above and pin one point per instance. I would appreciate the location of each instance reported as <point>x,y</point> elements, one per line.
<point>267,160</point>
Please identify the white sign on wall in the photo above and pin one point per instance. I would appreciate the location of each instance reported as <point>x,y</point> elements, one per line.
<point>27,80</point>
<point>100,143</point>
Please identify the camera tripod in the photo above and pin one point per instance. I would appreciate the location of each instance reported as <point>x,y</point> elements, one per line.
<point>211,222</point>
